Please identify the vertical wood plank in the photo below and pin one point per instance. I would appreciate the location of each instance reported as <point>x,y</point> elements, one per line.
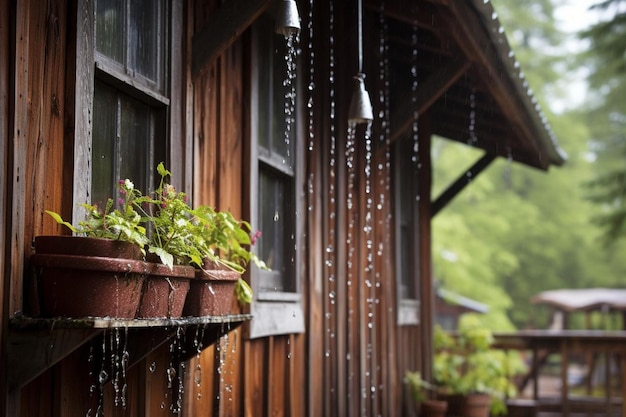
<point>180,159</point>
<point>158,396</point>
<point>83,106</point>
<point>6,116</point>
<point>201,398</point>
<point>188,100</point>
<point>14,269</point>
<point>256,363</point>
<point>230,157</point>
<point>44,179</point>
<point>230,192</point>
<point>206,95</point>
<point>36,397</point>
<point>131,405</point>
<point>72,385</point>
<point>277,377</point>
<point>229,377</point>
<point>317,273</point>
<point>297,386</point>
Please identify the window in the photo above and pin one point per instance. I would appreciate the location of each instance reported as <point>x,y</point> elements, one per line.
<point>128,91</point>
<point>407,232</point>
<point>130,94</point>
<point>275,158</point>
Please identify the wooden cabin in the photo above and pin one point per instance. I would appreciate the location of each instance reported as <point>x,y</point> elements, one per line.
<point>92,91</point>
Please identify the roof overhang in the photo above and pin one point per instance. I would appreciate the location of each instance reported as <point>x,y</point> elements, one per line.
<point>467,75</point>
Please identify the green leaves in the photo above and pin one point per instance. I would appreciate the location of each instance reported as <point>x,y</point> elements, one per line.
<point>60,220</point>
<point>243,292</point>
<point>171,229</point>
<point>166,257</point>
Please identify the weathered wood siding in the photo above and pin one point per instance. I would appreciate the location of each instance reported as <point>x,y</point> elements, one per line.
<point>351,358</point>
<point>5,128</point>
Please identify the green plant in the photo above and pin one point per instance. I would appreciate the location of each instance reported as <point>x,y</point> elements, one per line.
<point>174,236</point>
<point>418,386</point>
<point>225,240</point>
<point>171,229</point>
<point>123,223</point>
<point>468,364</point>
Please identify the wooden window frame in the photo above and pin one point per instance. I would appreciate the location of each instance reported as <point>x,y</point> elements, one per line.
<point>90,64</point>
<point>276,312</point>
<point>408,308</point>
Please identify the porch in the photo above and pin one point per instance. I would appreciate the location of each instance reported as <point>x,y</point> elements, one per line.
<point>570,372</point>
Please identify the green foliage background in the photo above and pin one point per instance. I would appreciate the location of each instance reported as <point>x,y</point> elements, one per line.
<point>516,231</point>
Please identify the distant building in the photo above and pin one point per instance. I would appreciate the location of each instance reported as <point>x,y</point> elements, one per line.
<point>449,306</point>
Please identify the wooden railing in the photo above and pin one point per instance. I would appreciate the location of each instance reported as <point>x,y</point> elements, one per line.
<point>596,352</point>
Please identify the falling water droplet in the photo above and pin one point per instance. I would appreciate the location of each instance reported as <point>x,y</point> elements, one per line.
<point>197,376</point>
<point>103,376</point>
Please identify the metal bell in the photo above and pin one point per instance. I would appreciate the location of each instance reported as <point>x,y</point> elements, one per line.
<point>287,18</point>
<point>360,110</point>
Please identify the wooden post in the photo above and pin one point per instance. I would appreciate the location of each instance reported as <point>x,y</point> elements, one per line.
<point>622,363</point>
<point>564,387</point>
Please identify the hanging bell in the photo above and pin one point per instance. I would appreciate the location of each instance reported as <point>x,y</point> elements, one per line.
<point>360,110</point>
<point>287,18</point>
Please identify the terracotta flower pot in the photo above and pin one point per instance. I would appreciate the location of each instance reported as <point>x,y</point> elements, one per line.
<point>87,246</point>
<point>165,291</point>
<point>212,292</point>
<point>471,405</point>
<point>433,408</point>
<point>87,277</point>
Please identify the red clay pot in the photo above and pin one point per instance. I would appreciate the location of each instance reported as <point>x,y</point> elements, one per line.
<point>165,291</point>
<point>87,246</point>
<point>471,405</point>
<point>87,277</point>
<point>212,292</point>
<point>433,408</point>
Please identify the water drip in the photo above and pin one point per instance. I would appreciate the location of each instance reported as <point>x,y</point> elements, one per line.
<point>290,89</point>
<point>330,257</point>
<point>472,139</point>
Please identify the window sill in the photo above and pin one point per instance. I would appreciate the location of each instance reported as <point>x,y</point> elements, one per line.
<point>408,312</point>
<point>276,317</point>
<point>289,297</point>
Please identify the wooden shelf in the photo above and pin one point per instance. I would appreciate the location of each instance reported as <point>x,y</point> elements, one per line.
<point>36,344</point>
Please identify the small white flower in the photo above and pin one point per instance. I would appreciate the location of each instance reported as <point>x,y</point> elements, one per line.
<point>129,184</point>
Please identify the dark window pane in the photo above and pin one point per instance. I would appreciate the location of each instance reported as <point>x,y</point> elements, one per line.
<point>406,278</point>
<point>110,28</point>
<point>135,141</point>
<point>272,220</point>
<point>145,33</point>
<point>103,146</point>
<point>276,153</point>
<point>275,139</point>
<point>122,142</point>
<point>264,90</point>
<point>406,218</point>
<point>132,33</point>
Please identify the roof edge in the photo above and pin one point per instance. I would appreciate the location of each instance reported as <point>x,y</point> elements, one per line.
<point>545,136</point>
